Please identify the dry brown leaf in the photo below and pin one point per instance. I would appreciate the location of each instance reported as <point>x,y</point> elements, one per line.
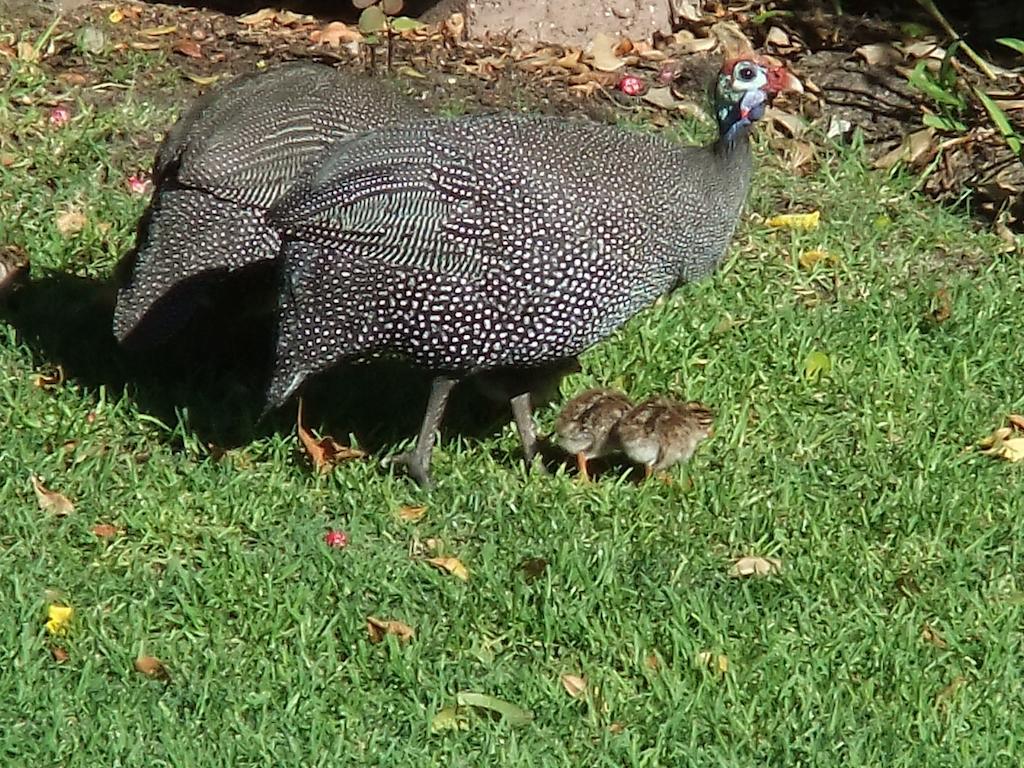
<point>454,26</point>
<point>202,79</point>
<point>27,51</point>
<point>798,155</point>
<point>452,565</point>
<point>717,662</point>
<point>152,667</point>
<point>166,29</point>
<point>324,452</point>
<point>1017,421</point>
<point>755,566</point>
<point>412,514</point>
<point>809,258</point>
<point>188,48</point>
<point>70,222</point>
<point>49,381</point>
<point>51,501</point>
<point>932,636</point>
<point>941,306</point>
<point>105,530</point>
<point>139,45</point>
<point>1003,445</point>
<point>336,35</point>
<point>916,149</point>
<point>879,54</point>
<point>574,685</point>
<point>601,53</point>
<point>59,654</point>
<point>661,97</point>
<point>686,10</point>
<point>14,267</point>
<point>570,59</point>
<point>378,629</point>
<point>651,661</point>
<point>616,728</point>
<point>943,697</point>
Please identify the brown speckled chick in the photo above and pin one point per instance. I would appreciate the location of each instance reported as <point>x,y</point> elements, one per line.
<point>660,432</point>
<point>586,423</point>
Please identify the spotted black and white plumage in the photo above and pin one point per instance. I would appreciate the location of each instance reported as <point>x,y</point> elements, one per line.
<point>227,160</point>
<point>492,241</point>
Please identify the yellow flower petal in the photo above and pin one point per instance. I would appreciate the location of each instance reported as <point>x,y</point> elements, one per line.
<point>59,617</point>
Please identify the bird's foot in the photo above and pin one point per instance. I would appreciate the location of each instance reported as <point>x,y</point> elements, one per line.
<point>581,466</point>
<point>416,466</point>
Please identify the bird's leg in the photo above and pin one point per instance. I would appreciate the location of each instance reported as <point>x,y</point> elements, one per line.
<point>417,461</point>
<point>581,465</point>
<point>522,412</point>
<point>648,472</point>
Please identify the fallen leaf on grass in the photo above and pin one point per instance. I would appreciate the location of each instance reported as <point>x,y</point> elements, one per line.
<point>449,719</point>
<point>58,617</point>
<point>1002,445</point>
<point>378,629</point>
<point>879,54</point>
<point>574,685</point>
<point>70,222</point>
<point>152,667</point>
<point>914,150</point>
<point>105,530</point>
<point>514,716</point>
<point>452,565</point>
<point>14,266</point>
<point>324,452</point>
<point>941,308</point>
<point>945,696</point>
<point>816,365</point>
<point>795,220</point>
<point>932,636</point>
<point>1017,421</point>
<point>51,501</point>
<point>412,514</point>
<point>717,662</point>
<point>59,654</point>
<point>533,568</point>
<point>755,566</point>
<point>51,380</point>
<point>809,258</point>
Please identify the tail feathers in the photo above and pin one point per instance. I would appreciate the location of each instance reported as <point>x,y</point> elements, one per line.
<point>190,241</point>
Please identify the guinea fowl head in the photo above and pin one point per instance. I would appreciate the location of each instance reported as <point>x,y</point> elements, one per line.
<point>746,85</point>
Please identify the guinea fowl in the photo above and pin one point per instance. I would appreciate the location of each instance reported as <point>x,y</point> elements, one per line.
<point>229,158</point>
<point>660,432</point>
<point>501,241</point>
<point>586,424</point>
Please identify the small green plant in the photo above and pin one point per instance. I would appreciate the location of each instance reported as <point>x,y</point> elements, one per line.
<point>942,87</point>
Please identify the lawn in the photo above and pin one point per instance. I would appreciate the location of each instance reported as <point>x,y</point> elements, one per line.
<point>891,636</point>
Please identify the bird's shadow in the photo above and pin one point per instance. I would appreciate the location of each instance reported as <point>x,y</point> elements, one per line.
<point>211,377</point>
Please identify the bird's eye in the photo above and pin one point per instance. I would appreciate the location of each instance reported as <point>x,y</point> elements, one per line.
<point>747,73</point>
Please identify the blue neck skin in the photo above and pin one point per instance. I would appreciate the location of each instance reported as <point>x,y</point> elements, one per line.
<point>736,112</point>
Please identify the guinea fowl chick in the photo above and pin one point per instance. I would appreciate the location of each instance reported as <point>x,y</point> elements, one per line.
<point>660,432</point>
<point>586,423</point>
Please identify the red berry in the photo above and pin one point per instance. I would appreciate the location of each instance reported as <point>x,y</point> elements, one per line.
<point>336,539</point>
<point>59,116</point>
<point>139,184</point>
<point>631,85</point>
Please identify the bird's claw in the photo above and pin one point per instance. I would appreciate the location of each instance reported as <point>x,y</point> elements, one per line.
<point>415,467</point>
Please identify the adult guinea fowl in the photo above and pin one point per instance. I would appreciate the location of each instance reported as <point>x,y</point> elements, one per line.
<point>227,160</point>
<point>502,241</point>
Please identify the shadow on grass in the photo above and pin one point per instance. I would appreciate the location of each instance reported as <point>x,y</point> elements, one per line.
<point>212,375</point>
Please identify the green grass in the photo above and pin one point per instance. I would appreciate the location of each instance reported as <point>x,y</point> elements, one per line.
<point>858,481</point>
